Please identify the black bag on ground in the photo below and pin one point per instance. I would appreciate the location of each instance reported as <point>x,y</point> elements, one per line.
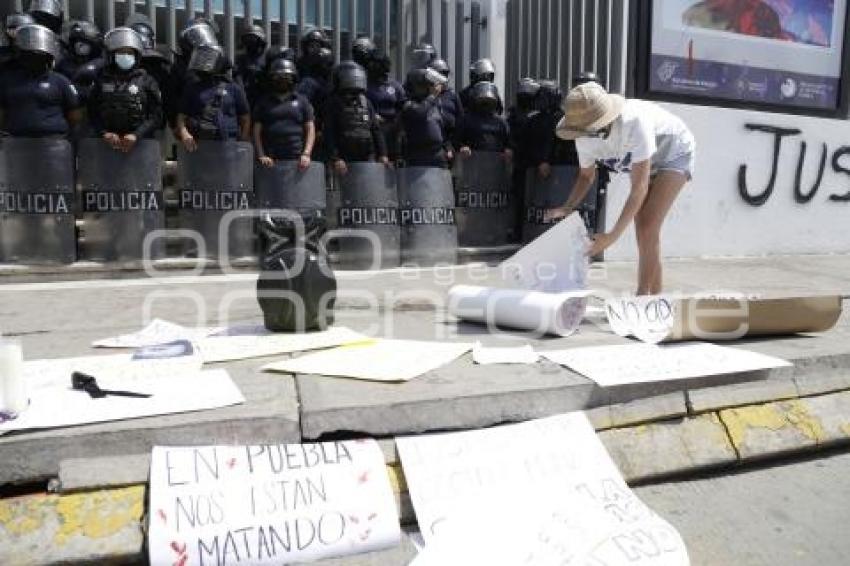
<point>296,288</point>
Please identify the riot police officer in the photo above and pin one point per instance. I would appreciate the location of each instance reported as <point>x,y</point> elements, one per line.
<point>482,129</point>
<point>35,100</point>
<point>387,96</point>
<point>154,61</point>
<point>11,24</point>
<point>363,50</point>
<point>125,104</point>
<point>85,43</point>
<point>311,60</point>
<point>213,107</point>
<point>555,150</point>
<point>422,56</point>
<point>284,122</point>
<point>482,70</point>
<point>522,141</point>
<point>316,86</point>
<point>352,132</point>
<point>196,34</point>
<point>47,13</point>
<point>248,68</point>
<point>450,104</point>
<point>425,141</point>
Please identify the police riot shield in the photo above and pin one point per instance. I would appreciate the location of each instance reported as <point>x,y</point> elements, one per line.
<point>37,224</point>
<point>369,209</point>
<point>217,183</point>
<point>427,216</point>
<point>121,200</point>
<point>543,193</point>
<point>483,199</point>
<point>333,199</point>
<point>286,186</point>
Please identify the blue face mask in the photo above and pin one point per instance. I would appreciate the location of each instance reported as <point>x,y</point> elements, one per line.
<point>125,61</point>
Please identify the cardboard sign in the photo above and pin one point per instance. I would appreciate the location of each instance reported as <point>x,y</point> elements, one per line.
<point>544,476</point>
<point>554,262</point>
<point>256,342</point>
<point>655,319</point>
<point>643,363</point>
<point>274,504</point>
<point>379,360</point>
<point>510,355</point>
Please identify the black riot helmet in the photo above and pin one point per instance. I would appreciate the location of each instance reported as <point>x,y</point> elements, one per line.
<point>482,70</point>
<point>85,39</point>
<point>312,41</point>
<point>422,81</point>
<point>526,91</point>
<point>485,97</point>
<point>47,13</point>
<point>16,20</point>
<point>142,25</point>
<point>208,60</point>
<point>35,38</point>
<point>196,34</point>
<point>124,38</point>
<point>349,77</point>
<point>586,77</point>
<point>441,67</point>
<point>549,96</point>
<point>422,56</point>
<point>379,66</point>
<point>324,61</point>
<point>363,50</point>
<point>282,72</point>
<point>279,52</point>
<point>253,39</point>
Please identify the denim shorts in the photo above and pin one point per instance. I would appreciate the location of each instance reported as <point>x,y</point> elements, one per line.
<point>672,155</point>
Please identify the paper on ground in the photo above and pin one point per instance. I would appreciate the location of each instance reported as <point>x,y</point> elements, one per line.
<point>548,477</point>
<point>642,363</point>
<point>509,355</point>
<point>157,332</point>
<point>57,405</point>
<point>379,360</point>
<point>233,344</point>
<point>553,262</point>
<point>546,313</point>
<point>269,505</point>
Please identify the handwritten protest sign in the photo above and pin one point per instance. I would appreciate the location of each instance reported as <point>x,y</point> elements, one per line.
<point>547,490</point>
<point>554,262</point>
<point>642,363</point>
<point>648,318</point>
<point>379,360</point>
<point>157,332</point>
<point>237,344</point>
<point>273,504</point>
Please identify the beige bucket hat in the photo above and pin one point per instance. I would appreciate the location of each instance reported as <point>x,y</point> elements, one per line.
<point>587,109</point>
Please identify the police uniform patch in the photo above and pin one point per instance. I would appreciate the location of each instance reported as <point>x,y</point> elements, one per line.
<point>391,90</point>
<point>44,85</point>
<point>133,89</point>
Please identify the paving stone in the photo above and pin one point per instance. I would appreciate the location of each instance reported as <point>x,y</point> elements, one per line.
<point>669,406</point>
<point>752,392</point>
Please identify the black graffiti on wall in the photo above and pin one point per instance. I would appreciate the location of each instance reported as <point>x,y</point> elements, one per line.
<point>801,195</point>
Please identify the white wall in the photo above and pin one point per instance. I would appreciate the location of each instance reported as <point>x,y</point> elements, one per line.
<point>710,218</point>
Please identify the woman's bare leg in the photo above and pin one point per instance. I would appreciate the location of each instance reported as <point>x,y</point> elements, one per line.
<point>663,190</point>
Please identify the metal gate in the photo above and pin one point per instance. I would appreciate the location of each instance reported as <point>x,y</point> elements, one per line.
<point>558,39</point>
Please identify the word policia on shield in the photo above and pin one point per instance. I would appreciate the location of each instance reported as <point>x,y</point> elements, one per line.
<point>271,504</point>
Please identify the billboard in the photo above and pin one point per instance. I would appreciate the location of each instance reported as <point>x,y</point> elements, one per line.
<point>770,52</point>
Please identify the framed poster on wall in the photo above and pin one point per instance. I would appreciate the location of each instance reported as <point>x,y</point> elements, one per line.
<point>782,55</point>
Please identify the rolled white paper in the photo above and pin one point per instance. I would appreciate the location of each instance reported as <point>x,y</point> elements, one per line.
<point>14,397</point>
<point>547,313</point>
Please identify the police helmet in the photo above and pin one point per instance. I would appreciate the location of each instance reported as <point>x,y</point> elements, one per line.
<point>549,96</point>
<point>313,35</point>
<point>380,65</point>
<point>35,38</point>
<point>283,68</point>
<point>84,30</point>
<point>363,50</point>
<point>349,77</point>
<point>325,61</point>
<point>527,89</point>
<point>422,56</point>
<point>47,13</point>
<point>255,31</point>
<point>586,77</point>
<point>421,81</point>
<point>124,38</point>
<point>485,96</point>
<point>482,70</point>
<point>142,25</point>
<point>197,34</point>
<point>441,67</point>
<point>279,52</point>
<point>208,59</point>
<point>16,20</point>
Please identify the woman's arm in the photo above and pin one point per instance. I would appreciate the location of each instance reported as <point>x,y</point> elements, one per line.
<point>581,186</point>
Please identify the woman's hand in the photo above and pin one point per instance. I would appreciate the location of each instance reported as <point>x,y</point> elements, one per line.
<point>601,242</point>
<point>128,142</point>
<point>557,213</point>
<point>112,139</point>
<point>188,142</point>
<point>266,161</point>
<point>304,162</point>
<point>465,151</point>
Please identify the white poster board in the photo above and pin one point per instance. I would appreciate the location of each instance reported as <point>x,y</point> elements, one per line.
<point>256,342</point>
<point>379,360</point>
<point>643,363</point>
<point>648,318</point>
<point>269,505</point>
<point>157,332</point>
<point>554,262</point>
<point>548,475</point>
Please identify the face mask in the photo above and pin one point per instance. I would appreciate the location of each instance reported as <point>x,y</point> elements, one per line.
<point>34,62</point>
<point>125,61</point>
<point>282,85</point>
<point>82,49</point>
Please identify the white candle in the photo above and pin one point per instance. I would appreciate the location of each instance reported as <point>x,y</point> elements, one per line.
<point>14,397</point>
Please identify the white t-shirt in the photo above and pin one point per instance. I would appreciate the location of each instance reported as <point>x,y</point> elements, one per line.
<point>642,131</point>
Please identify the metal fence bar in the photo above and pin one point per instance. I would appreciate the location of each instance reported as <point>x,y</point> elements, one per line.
<point>320,14</point>
<point>131,7</point>
<point>267,19</point>
<point>352,25</point>
<point>150,7</point>
<point>19,5</point>
<point>619,33</point>
<point>284,23</point>
<point>429,23</point>
<point>302,16</point>
<point>460,68</point>
<point>566,52</point>
<point>208,9</point>
<point>444,29</point>
<point>337,16</point>
<point>387,28</point>
<point>90,10</point>
<point>171,28</point>
<point>65,8</point>
<point>229,29</point>
<point>370,20</point>
<point>401,40</point>
<point>189,9</point>
<point>475,32</point>
<point>545,37</point>
<point>414,22</point>
<point>110,15</point>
